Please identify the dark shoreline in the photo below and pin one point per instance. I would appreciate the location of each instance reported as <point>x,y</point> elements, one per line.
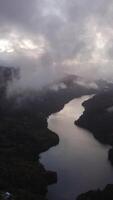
<point>24,135</point>
<point>98,119</point>
<point>105,194</point>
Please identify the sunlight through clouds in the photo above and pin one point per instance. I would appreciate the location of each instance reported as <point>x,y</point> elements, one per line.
<point>6,46</point>
<point>76,35</point>
<point>100,40</point>
<point>15,44</point>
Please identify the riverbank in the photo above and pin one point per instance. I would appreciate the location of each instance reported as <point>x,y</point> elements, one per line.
<point>98,119</point>
<point>24,135</point>
<point>105,194</point>
<point>82,152</point>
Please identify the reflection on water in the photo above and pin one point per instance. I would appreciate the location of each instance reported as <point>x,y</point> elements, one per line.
<point>80,161</point>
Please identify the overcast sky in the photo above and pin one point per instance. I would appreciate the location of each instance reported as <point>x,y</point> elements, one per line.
<point>53,37</point>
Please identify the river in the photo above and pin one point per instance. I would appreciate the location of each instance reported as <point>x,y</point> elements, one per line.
<point>80,160</point>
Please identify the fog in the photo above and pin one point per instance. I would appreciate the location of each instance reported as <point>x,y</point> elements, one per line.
<point>48,39</point>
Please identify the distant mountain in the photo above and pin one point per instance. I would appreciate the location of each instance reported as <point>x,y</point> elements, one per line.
<point>7,74</point>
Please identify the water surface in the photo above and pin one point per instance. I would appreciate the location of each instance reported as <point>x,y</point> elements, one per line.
<point>80,160</point>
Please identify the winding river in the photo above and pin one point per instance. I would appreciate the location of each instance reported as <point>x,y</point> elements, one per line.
<point>80,160</point>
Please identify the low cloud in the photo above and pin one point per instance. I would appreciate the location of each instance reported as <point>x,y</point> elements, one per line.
<point>50,38</point>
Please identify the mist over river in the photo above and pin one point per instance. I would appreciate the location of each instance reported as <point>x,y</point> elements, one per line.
<point>80,161</point>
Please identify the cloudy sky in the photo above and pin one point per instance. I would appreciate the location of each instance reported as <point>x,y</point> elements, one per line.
<point>53,37</point>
